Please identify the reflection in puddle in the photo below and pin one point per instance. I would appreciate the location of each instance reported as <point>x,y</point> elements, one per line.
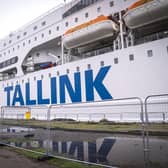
<point>114,151</point>
<point>111,151</point>
<point>16,129</point>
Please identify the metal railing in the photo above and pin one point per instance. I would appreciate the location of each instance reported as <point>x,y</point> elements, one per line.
<point>104,110</point>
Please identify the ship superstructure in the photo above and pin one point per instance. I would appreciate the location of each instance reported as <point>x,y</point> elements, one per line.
<point>87,50</point>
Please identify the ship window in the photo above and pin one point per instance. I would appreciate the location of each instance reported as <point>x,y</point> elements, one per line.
<point>131,57</point>
<point>18,46</point>
<point>43,23</point>
<point>4,44</point>
<point>42,35</point>
<point>76,19</point>
<point>77,68</point>
<point>4,53</point>
<point>87,15</point>
<point>18,37</point>
<point>115,60</point>
<point>66,24</point>
<point>35,38</point>
<point>8,62</point>
<point>150,53</point>
<point>111,4</point>
<point>29,41</point>
<point>49,32</point>
<point>57,73</point>
<point>8,51</point>
<point>10,41</point>
<point>37,54</point>
<point>23,43</point>
<point>35,28</point>
<point>89,66</point>
<point>13,49</point>
<point>102,63</point>
<point>57,28</point>
<point>67,71</point>
<point>0,55</point>
<point>25,33</point>
<point>99,9</point>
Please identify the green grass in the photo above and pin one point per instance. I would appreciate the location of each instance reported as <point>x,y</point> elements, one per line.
<point>92,126</point>
<point>60,163</point>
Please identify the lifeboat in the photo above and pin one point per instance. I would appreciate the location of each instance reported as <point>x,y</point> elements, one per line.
<point>94,30</point>
<point>144,12</point>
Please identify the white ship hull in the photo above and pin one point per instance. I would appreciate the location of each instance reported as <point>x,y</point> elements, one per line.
<point>138,78</point>
<point>121,64</point>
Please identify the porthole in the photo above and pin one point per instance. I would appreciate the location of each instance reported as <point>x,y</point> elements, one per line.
<point>76,19</point>
<point>43,23</point>
<point>35,28</point>
<point>150,53</point>
<point>111,3</point>
<point>115,60</point>
<point>25,33</point>
<point>102,63</point>
<point>67,71</point>
<point>86,15</point>
<point>99,9</point>
<point>77,69</point>
<point>131,57</point>
<point>66,24</point>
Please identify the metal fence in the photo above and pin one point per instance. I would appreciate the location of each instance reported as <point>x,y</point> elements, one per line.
<point>44,140</point>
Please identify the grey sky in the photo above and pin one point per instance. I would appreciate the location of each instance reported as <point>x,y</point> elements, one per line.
<point>16,13</point>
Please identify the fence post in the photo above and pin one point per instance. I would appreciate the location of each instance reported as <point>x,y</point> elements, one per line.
<point>48,131</point>
<point>164,117</point>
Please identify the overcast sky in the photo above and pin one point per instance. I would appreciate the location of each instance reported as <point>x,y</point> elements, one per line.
<point>16,13</point>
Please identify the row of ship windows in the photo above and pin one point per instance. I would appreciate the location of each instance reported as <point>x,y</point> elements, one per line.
<point>66,23</point>
<point>24,43</point>
<point>116,61</point>
<point>8,62</point>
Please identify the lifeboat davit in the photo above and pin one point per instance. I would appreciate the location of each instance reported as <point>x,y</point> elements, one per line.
<point>94,30</point>
<point>144,12</point>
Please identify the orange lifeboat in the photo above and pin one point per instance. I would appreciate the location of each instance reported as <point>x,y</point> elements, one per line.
<point>144,12</point>
<point>94,30</point>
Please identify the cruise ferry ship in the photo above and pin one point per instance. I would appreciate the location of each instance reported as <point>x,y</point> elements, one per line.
<point>87,51</point>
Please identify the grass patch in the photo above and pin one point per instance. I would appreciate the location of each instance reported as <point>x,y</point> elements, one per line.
<point>60,163</point>
<point>104,125</point>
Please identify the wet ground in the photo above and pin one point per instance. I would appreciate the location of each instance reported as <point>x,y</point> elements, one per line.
<point>105,148</point>
<point>10,159</point>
